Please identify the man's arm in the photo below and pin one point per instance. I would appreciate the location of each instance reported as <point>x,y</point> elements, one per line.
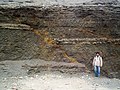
<point>101,62</point>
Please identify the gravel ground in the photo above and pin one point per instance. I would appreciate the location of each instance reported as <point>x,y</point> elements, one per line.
<point>14,77</point>
<point>15,3</point>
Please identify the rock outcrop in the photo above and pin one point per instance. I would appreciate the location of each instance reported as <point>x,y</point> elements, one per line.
<point>67,33</point>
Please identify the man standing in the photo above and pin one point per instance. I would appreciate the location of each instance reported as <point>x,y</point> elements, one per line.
<point>97,63</point>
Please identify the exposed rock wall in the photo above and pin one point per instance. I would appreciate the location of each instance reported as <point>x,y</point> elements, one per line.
<point>37,32</point>
<point>17,44</point>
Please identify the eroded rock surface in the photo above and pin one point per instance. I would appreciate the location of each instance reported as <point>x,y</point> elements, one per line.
<point>53,33</point>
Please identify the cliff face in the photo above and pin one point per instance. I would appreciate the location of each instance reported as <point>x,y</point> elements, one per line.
<point>69,34</point>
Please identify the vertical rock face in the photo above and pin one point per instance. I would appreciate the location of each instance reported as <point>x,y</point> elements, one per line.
<point>15,45</point>
<point>65,33</point>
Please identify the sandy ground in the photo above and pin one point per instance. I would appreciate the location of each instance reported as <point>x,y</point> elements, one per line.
<point>14,77</point>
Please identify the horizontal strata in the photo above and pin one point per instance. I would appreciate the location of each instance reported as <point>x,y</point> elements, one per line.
<point>94,28</point>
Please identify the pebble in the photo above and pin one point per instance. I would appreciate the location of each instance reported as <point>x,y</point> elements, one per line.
<point>97,85</point>
<point>118,87</point>
<point>14,88</point>
<point>36,76</point>
<point>14,77</point>
<point>89,78</point>
<point>5,86</point>
<point>31,78</point>
<point>5,79</point>
<point>66,84</point>
<point>82,77</point>
<point>20,77</point>
<point>14,84</point>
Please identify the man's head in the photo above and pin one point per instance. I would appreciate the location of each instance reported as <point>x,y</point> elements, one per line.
<point>97,53</point>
